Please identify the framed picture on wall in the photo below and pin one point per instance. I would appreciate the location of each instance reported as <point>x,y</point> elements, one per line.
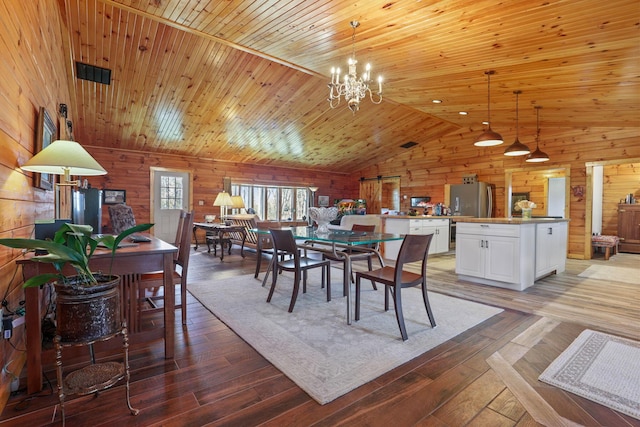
<point>45,135</point>
<point>323,201</point>
<point>113,197</point>
<point>515,198</point>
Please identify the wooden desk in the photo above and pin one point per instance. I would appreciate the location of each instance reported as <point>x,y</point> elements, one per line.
<point>129,262</point>
<point>220,230</point>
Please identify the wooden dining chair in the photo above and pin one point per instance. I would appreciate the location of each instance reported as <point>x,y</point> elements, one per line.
<point>284,243</point>
<point>155,280</point>
<point>414,248</point>
<point>264,242</point>
<point>355,253</point>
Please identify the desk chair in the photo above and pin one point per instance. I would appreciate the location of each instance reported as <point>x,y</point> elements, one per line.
<point>414,248</point>
<point>122,218</point>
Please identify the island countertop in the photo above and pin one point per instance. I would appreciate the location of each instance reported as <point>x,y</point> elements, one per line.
<point>511,220</point>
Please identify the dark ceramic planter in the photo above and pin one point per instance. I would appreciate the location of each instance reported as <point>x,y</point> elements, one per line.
<point>88,313</point>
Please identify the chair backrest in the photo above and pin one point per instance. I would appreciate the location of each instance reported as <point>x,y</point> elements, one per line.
<point>184,244</point>
<point>283,242</point>
<point>415,247</point>
<point>265,240</point>
<point>367,228</point>
<point>122,218</point>
<point>363,227</point>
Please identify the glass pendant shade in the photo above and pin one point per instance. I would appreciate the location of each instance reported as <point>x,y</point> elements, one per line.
<point>488,138</point>
<point>537,156</point>
<point>517,148</point>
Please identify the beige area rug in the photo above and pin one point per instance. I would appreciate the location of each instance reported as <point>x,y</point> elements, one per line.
<point>315,347</point>
<point>602,368</point>
<point>612,273</point>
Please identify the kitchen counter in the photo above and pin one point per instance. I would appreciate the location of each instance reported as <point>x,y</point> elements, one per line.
<point>510,220</point>
<point>510,253</point>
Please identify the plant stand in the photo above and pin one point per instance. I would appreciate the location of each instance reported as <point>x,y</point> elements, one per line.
<point>95,377</point>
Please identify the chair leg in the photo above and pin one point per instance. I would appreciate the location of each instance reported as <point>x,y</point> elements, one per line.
<point>425,297</point>
<point>183,301</point>
<point>370,265</point>
<point>274,276</point>
<point>258,263</point>
<point>296,288</point>
<point>397,303</point>
<point>328,268</point>
<point>357,314</point>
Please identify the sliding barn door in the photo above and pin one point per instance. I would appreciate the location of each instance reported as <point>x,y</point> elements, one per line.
<point>381,193</point>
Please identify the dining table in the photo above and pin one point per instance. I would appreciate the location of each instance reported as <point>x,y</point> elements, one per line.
<point>130,261</point>
<point>215,232</point>
<point>337,243</point>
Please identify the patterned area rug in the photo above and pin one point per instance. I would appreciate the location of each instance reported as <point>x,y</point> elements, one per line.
<point>315,347</point>
<point>612,273</point>
<point>602,368</point>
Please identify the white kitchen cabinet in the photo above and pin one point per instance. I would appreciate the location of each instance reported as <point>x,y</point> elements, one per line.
<point>439,227</point>
<point>551,248</point>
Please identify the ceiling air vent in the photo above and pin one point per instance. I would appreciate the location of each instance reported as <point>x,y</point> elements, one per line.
<point>93,73</point>
<point>409,144</point>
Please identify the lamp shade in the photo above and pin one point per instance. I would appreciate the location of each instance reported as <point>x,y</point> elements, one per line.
<point>63,157</point>
<point>223,199</point>
<point>237,202</point>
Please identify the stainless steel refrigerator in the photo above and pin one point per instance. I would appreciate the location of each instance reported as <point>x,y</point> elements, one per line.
<point>474,199</point>
<point>86,208</point>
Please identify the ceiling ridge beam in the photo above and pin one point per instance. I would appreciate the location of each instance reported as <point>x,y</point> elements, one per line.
<point>209,37</point>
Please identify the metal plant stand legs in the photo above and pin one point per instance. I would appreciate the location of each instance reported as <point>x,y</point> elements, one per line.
<point>96,376</point>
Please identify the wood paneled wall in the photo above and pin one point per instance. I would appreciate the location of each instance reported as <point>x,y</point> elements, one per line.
<point>129,170</point>
<point>427,168</point>
<point>34,74</point>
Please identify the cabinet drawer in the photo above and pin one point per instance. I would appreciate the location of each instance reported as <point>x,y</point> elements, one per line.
<point>504,230</point>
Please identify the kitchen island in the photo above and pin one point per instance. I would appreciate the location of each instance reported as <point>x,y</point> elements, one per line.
<point>510,253</point>
<point>439,226</point>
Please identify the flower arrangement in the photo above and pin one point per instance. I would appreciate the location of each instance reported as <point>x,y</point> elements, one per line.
<point>526,204</point>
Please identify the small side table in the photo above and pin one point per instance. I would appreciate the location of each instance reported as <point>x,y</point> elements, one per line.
<point>94,377</point>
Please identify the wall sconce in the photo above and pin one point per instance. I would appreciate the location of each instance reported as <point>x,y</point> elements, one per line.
<point>66,158</point>
<point>62,109</point>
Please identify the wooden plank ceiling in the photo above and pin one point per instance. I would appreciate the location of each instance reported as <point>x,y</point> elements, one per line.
<point>246,80</point>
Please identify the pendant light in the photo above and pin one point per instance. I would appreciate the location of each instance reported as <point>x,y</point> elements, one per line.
<point>488,138</point>
<point>537,156</point>
<point>517,148</point>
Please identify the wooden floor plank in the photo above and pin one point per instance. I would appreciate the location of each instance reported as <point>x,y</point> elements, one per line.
<point>218,379</point>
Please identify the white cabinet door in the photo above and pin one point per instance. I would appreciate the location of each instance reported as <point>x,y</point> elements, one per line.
<point>470,255</point>
<point>551,248</point>
<point>502,259</point>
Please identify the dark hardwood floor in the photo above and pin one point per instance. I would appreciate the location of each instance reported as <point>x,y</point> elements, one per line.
<point>486,376</point>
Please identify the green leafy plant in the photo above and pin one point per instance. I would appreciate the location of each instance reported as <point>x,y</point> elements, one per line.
<point>73,244</point>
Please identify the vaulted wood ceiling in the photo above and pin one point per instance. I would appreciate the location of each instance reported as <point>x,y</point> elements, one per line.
<point>246,80</point>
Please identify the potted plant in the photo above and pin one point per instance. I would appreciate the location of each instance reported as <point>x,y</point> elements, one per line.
<point>88,303</point>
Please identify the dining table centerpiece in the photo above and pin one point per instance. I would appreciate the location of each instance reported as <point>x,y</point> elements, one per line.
<point>322,217</point>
